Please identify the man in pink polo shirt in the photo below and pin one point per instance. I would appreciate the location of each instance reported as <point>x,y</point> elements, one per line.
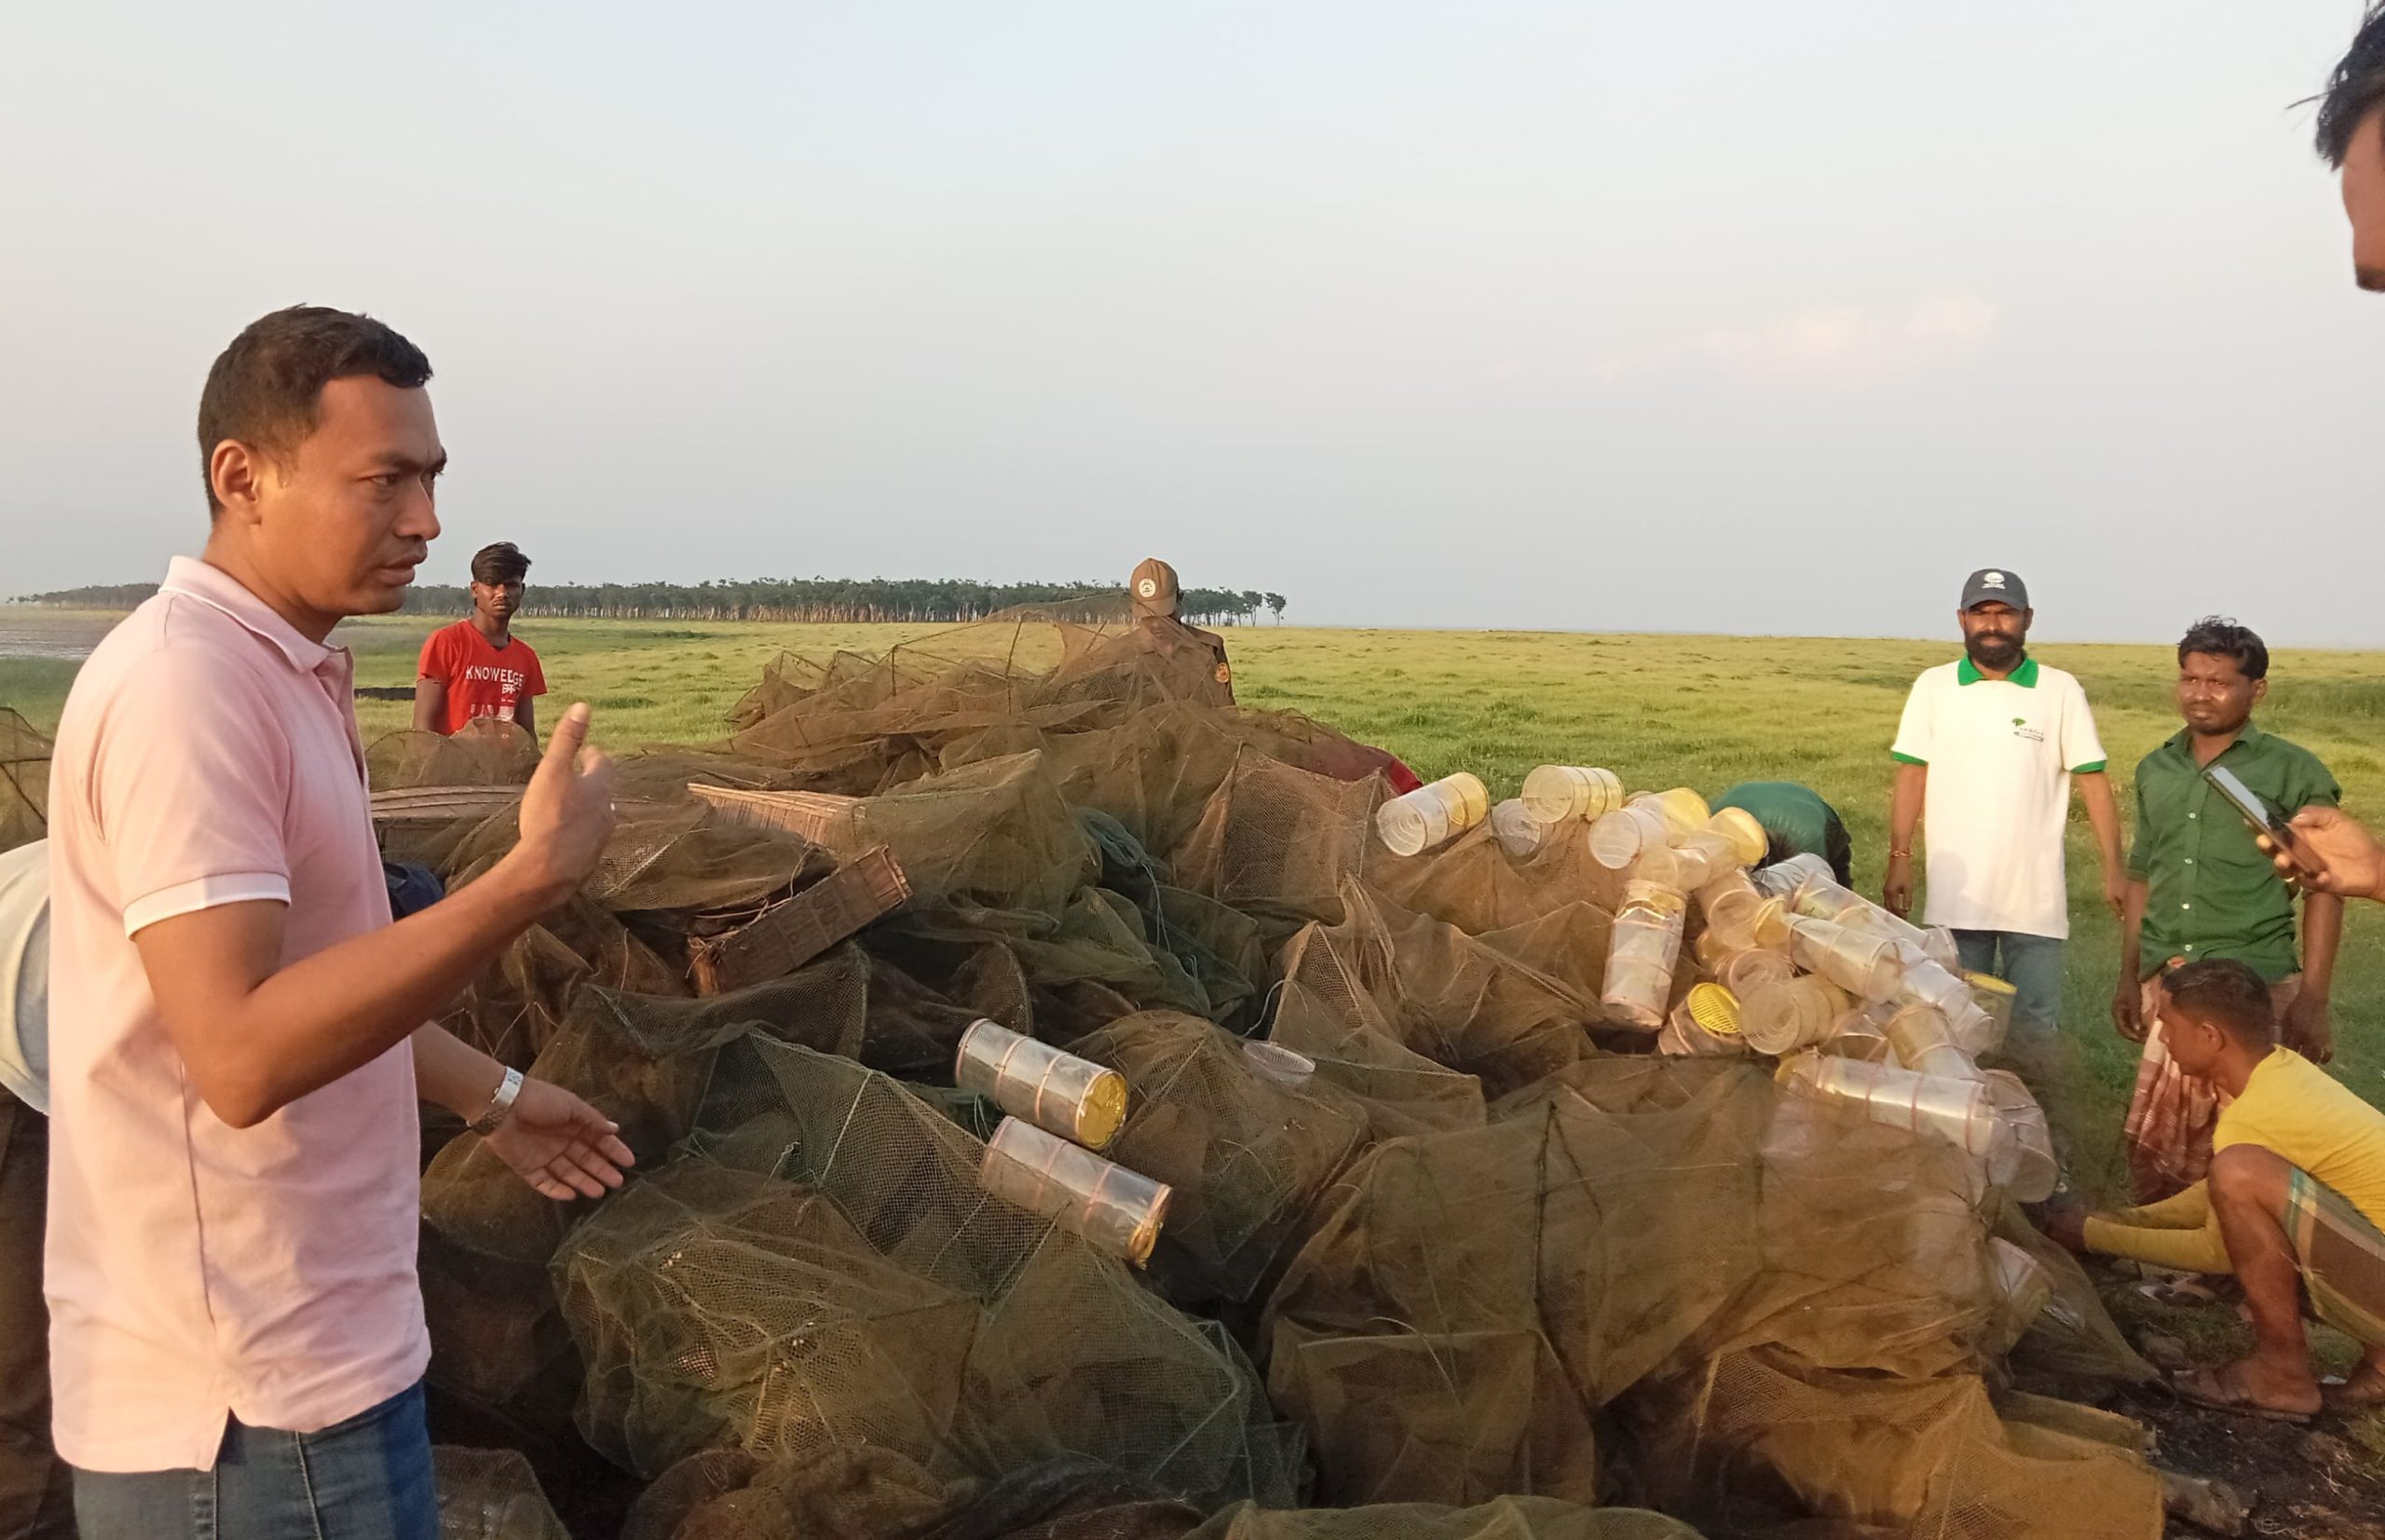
<point>236,1027</point>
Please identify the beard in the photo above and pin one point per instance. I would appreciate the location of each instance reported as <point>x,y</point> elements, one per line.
<point>1995,652</point>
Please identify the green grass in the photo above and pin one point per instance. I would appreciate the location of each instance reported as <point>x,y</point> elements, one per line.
<point>1701,711</point>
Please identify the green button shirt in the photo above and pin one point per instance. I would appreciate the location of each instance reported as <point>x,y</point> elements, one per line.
<point>2210,893</point>
<point>1795,814</point>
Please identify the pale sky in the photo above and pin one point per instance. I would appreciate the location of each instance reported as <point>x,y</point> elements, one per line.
<point>1757,316</point>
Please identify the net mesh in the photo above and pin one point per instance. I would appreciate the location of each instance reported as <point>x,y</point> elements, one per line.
<point>25,782</point>
<point>491,1494</point>
<point>1437,1260</point>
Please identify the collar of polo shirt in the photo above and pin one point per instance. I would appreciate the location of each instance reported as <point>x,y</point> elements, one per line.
<point>1966,673</point>
<point>218,589</point>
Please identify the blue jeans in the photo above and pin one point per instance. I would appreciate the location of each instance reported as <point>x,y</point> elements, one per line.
<point>366,1479</point>
<point>2032,965</point>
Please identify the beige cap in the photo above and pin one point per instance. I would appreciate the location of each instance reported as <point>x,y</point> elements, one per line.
<point>1153,589</point>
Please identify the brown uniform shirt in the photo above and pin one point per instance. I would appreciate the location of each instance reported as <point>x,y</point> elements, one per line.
<point>1183,662</point>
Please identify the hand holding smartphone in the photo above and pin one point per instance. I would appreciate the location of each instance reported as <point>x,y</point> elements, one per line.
<point>2271,826</point>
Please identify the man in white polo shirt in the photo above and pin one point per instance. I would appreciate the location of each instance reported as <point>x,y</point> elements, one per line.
<point>1985,755</point>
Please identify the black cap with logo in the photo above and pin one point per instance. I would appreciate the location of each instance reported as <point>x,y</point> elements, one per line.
<point>1994,585</point>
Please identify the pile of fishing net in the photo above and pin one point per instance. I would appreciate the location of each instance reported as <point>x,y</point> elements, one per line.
<point>1401,1230</point>
<point>24,780</point>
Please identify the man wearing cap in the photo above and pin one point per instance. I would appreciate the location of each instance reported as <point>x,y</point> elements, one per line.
<point>1197,656</point>
<point>1985,754</point>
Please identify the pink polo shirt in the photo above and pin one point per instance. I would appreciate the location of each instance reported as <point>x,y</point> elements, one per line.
<point>209,756</point>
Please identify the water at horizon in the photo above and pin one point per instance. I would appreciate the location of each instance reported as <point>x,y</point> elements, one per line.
<point>70,641</point>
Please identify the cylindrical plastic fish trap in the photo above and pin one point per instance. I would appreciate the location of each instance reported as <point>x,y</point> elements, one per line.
<point>1790,1013</point>
<point>1057,1092</point>
<point>1641,950</point>
<point>1624,835</point>
<point>1520,833</point>
<point>1555,793</point>
<point>1112,1209</point>
<point>1432,814</point>
<point>1958,1112</point>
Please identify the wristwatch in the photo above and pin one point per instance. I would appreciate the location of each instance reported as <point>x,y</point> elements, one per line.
<point>500,1106</point>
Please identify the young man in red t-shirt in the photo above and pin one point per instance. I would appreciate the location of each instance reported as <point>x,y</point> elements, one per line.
<point>478,667</point>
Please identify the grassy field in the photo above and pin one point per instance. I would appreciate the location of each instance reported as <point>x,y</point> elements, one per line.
<point>1701,711</point>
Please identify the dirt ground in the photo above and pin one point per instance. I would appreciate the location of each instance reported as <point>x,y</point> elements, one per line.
<point>2324,1480</point>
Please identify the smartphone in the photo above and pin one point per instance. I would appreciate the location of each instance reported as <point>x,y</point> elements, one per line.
<point>2264,821</point>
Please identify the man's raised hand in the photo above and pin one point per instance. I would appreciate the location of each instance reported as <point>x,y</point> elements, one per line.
<point>2352,864</point>
<point>567,811</point>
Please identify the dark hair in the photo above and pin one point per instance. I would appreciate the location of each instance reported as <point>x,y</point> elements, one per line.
<point>2217,636</point>
<point>2356,88</point>
<point>2227,994</point>
<point>265,388</point>
<point>501,563</point>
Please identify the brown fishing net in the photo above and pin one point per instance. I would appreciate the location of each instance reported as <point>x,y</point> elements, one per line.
<point>1247,1139</point>
<point>491,1494</point>
<point>1502,1519</point>
<point>1448,997</point>
<point>1436,1263</point>
<point>25,782</point>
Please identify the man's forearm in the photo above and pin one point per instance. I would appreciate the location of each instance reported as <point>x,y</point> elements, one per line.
<point>452,1073</point>
<point>2103,815</point>
<point>2132,929</point>
<point>1904,805</point>
<point>2322,933</point>
<point>257,1036</point>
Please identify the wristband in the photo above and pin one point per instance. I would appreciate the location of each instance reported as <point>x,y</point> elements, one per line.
<point>1893,854</point>
<point>500,1106</point>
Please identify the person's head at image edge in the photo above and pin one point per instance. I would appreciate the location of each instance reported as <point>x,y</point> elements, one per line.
<point>1995,617</point>
<point>2352,139</point>
<point>499,575</point>
<point>320,455</point>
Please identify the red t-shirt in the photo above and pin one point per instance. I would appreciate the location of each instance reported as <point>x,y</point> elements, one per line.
<point>481,680</point>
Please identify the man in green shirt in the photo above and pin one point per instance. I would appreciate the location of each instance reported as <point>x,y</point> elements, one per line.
<point>2200,887</point>
<point>1797,821</point>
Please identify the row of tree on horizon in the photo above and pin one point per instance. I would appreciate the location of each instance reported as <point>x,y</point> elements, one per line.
<point>831,600</point>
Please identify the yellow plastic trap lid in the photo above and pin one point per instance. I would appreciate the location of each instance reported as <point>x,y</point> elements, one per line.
<point>1474,798</point>
<point>1989,983</point>
<point>1102,1111</point>
<point>1748,840</point>
<point>1683,809</point>
<point>1715,1009</point>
